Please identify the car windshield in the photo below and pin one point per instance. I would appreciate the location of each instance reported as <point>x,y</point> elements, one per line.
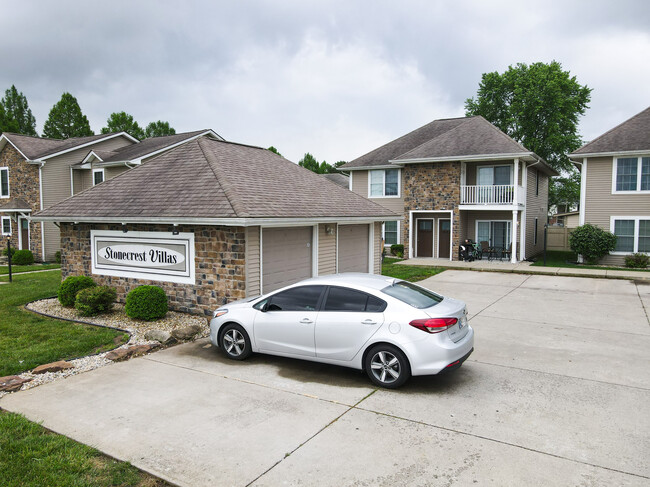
<point>413,295</point>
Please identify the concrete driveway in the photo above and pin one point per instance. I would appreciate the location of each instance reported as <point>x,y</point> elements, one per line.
<point>556,393</point>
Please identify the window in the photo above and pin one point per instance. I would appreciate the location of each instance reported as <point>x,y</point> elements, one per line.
<point>535,233</point>
<point>384,182</point>
<point>351,300</point>
<point>536,182</point>
<point>496,233</point>
<point>632,234</point>
<point>98,176</point>
<point>391,235</point>
<point>4,182</point>
<point>494,175</point>
<point>413,295</point>
<point>303,298</point>
<point>6,225</point>
<point>631,174</point>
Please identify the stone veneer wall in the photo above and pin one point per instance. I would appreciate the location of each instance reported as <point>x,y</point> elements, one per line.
<point>23,184</point>
<point>432,186</point>
<point>219,258</point>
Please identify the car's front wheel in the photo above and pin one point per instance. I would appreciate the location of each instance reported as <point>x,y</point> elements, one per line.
<point>387,366</point>
<point>235,342</point>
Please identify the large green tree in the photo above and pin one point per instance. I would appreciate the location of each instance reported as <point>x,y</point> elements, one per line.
<point>537,105</point>
<point>123,122</point>
<point>310,162</point>
<point>66,120</point>
<point>564,192</point>
<point>15,115</point>
<point>159,129</point>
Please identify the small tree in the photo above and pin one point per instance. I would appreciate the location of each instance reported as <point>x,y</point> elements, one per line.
<point>159,129</point>
<point>66,120</point>
<point>592,242</point>
<point>16,116</point>
<point>123,122</point>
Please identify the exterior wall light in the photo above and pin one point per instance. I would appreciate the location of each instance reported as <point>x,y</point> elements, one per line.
<point>329,230</point>
<point>124,229</point>
<point>175,229</point>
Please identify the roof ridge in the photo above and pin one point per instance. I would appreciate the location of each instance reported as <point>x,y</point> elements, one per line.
<point>467,119</point>
<point>237,208</point>
<point>612,129</point>
<point>502,133</point>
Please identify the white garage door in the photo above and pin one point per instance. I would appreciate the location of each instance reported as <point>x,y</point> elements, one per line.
<point>353,248</point>
<point>286,256</point>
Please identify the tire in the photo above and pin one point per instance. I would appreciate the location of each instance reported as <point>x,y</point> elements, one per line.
<point>234,341</point>
<point>387,366</point>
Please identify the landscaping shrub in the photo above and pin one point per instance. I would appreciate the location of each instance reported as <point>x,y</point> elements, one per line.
<point>637,261</point>
<point>57,256</point>
<point>397,249</point>
<point>592,242</point>
<point>95,300</point>
<point>23,257</point>
<point>5,253</point>
<point>71,286</point>
<point>146,303</point>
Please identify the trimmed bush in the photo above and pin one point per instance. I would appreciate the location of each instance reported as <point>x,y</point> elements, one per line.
<point>95,300</point>
<point>146,303</point>
<point>637,261</point>
<point>57,256</point>
<point>23,257</point>
<point>397,250</point>
<point>592,242</point>
<point>5,253</point>
<point>71,286</point>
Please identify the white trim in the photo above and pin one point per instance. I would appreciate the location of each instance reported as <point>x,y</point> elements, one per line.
<point>20,233</point>
<point>371,248</point>
<point>350,182</point>
<point>643,153</point>
<point>40,194</point>
<point>383,171</point>
<point>2,225</point>
<point>139,159</point>
<point>5,168</point>
<point>491,207</point>
<point>71,182</point>
<point>261,262</point>
<point>77,147</point>
<point>583,192</point>
<point>90,154</point>
<point>6,139</point>
<point>337,250</point>
<point>638,176</point>
<point>101,170</point>
<point>314,251</point>
<point>476,222</point>
<point>383,232</point>
<point>468,158</point>
<point>636,219</point>
<point>437,254</point>
<point>513,237</point>
<point>522,225</point>
<point>369,168</point>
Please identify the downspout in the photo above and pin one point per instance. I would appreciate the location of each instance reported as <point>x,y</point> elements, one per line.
<point>40,192</point>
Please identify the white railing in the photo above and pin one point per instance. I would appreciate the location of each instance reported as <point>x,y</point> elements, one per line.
<point>501,194</point>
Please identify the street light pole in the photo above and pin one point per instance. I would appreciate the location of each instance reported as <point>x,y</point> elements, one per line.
<point>9,256</point>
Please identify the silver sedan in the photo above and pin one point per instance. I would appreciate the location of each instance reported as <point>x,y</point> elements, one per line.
<point>390,328</point>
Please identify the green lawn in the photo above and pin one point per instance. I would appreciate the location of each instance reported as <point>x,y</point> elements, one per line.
<point>567,260</point>
<point>28,339</point>
<point>31,456</point>
<point>411,273</point>
<point>17,269</point>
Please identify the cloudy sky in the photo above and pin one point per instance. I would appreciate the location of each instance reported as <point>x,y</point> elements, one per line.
<point>334,78</point>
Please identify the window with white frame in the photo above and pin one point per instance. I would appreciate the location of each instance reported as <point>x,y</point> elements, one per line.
<point>4,182</point>
<point>494,175</point>
<point>391,233</point>
<point>631,174</point>
<point>6,225</point>
<point>496,233</point>
<point>632,234</point>
<point>98,176</point>
<point>383,183</point>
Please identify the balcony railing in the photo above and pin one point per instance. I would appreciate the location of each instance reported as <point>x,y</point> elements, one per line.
<point>501,194</point>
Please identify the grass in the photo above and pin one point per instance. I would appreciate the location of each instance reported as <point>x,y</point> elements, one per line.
<point>32,456</point>
<point>562,259</point>
<point>17,269</point>
<point>411,273</point>
<point>28,340</point>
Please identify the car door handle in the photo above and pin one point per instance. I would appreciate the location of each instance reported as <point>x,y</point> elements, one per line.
<point>368,322</point>
<point>306,321</point>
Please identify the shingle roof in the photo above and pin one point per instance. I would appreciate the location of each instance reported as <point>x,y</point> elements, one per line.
<point>631,135</point>
<point>207,178</point>
<point>340,179</point>
<point>14,204</point>
<point>38,147</point>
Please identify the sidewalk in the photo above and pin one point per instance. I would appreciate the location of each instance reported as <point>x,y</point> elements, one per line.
<point>527,268</point>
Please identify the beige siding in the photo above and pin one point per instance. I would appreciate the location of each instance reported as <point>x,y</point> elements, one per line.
<point>253,261</point>
<point>81,180</point>
<point>326,249</point>
<point>536,207</point>
<point>377,249</point>
<point>111,172</point>
<point>601,204</point>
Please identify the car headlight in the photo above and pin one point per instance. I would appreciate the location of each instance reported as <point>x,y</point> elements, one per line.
<point>219,312</point>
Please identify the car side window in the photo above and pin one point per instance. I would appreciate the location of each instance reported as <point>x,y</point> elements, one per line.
<point>345,299</point>
<point>303,298</point>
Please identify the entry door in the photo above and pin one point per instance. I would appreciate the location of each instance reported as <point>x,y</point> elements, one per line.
<point>24,234</point>
<point>444,234</point>
<point>425,238</point>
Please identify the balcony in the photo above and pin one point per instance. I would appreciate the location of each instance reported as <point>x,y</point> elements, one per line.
<point>501,194</point>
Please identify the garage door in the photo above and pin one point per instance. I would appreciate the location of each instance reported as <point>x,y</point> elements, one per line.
<point>286,256</point>
<point>353,248</point>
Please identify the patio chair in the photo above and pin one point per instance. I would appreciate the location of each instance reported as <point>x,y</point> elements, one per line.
<point>486,249</point>
<point>507,253</point>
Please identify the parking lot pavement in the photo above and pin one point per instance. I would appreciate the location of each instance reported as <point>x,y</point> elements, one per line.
<point>556,393</point>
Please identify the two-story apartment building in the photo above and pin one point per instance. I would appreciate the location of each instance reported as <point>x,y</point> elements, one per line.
<point>457,179</point>
<point>615,185</point>
<point>36,173</point>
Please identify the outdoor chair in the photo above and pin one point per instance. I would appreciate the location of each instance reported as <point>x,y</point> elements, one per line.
<point>486,249</point>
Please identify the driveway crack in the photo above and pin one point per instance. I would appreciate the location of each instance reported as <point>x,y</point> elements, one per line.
<point>502,297</point>
<point>645,310</point>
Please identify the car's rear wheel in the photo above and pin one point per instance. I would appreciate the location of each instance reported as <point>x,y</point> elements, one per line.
<point>235,342</point>
<point>387,366</point>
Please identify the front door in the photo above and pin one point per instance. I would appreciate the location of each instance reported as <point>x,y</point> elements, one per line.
<point>425,238</point>
<point>444,234</point>
<point>24,234</point>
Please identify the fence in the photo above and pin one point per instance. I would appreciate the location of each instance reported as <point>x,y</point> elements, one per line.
<point>557,238</point>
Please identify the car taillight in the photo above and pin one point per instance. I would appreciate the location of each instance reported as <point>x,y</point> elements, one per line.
<point>434,325</point>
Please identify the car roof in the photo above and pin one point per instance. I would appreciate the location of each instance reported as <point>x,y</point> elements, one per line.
<point>355,279</point>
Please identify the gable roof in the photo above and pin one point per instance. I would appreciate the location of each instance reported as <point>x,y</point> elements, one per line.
<point>217,182</point>
<point>633,135</point>
<point>39,148</point>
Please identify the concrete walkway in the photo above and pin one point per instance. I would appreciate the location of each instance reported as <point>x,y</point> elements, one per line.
<point>528,268</point>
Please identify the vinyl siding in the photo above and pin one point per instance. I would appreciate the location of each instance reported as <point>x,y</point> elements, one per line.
<point>377,248</point>
<point>536,207</point>
<point>81,180</point>
<point>601,204</point>
<point>253,261</point>
<point>326,250</point>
